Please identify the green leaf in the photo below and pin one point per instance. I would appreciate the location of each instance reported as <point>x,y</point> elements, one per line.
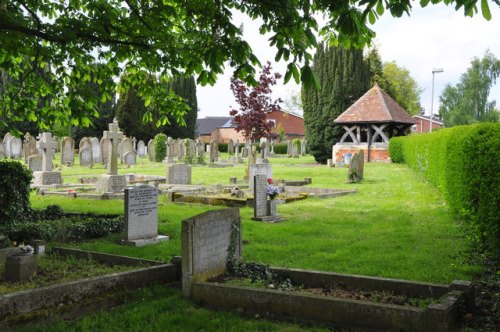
<point>424,3</point>
<point>296,75</point>
<point>485,9</point>
<point>147,102</point>
<point>371,17</point>
<point>380,7</point>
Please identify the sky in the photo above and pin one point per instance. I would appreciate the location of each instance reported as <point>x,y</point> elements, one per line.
<point>433,37</point>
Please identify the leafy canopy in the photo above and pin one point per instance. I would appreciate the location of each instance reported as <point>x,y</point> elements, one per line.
<point>47,47</point>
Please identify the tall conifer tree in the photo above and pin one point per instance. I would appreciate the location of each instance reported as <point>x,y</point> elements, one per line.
<point>344,77</point>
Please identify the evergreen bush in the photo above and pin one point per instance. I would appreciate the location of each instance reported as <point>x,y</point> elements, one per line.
<point>160,147</point>
<point>396,149</point>
<point>280,148</point>
<point>463,162</point>
<point>222,147</point>
<point>15,189</point>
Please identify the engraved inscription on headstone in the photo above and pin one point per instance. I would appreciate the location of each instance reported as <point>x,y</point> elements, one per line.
<point>178,174</point>
<point>260,196</point>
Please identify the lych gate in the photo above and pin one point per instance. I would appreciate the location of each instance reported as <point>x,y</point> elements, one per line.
<point>369,124</point>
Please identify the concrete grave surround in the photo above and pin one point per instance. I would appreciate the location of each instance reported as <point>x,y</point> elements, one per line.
<point>204,245</point>
<point>16,148</point>
<point>96,150</point>
<point>46,176</point>
<point>178,174</point>
<point>86,158</point>
<point>35,162</point>
<point>141,148</point>
<point>68,151</point>
<point>141,216</point>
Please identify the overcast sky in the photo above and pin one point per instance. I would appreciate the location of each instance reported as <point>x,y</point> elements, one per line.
<point>432,37</point>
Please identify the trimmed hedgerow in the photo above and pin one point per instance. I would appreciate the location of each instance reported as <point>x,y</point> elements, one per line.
<point>463,162</point>
<point>15,181</point>
<point>160,147</point>
<point>280,148</point>
<point>396,150</point>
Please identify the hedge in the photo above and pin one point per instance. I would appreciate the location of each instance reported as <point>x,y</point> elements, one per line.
<point>160,147</point>
<point>14,192</point>
<point>463,162</point>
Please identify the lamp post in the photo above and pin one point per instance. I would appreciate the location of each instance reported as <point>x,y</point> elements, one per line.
<point>434,71</point>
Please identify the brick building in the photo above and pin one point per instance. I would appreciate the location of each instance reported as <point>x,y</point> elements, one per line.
<point>422,124</point>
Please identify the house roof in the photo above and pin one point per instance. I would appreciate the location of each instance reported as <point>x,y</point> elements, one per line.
<point>205,126</point>
<point>375,106</point>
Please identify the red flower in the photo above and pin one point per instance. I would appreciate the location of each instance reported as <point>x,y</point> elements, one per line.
<point>269,181</point>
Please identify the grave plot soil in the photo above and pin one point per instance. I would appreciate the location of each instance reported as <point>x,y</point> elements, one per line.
<point>53,269</point>
<point>338,291</point>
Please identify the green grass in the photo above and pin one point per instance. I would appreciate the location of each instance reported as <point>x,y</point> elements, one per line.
<point>396,226</point>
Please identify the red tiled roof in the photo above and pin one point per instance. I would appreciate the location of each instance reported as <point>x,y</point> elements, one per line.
<point>375,106</point>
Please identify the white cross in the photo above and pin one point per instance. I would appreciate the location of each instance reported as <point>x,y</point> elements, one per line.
<point>48,146</point>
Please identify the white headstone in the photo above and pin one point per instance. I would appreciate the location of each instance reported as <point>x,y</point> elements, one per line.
<point>68,151</point>
<point>96,150</point>
<point>16,148</point>
<point>260,195</point>
<point>141,149</point>
<point>130,158</point>
<point>86,158</point>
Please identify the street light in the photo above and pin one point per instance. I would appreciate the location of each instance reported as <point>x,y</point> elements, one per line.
<point>434,71</point>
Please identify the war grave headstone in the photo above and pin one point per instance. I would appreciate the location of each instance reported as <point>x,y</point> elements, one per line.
<point>141,148</point>
<point>16,148</point>
<point>68,151</point>
<point>204,245</point>
<point>263,209</point>
<point>29,147</point>
<point>141,216</point>
<point>105,144</point>
<point>96,150</point>
<point>151,150</point>
<point>289,148</point>
<point>230,147</point>
<point>130,158</point>
<point>265,169</point>
<point>46,176</point>
<point>169,156</point>
<point>85,155</point>
<point>178,174</point>
<point>303,147</point>
<point>126,146</point>
<point>214,151</point>
<point>356,167</point>
<point>6,144</point>
<point>35,162</point>
<point>112,182</point>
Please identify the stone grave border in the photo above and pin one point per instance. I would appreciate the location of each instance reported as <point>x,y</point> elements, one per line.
<point>148,273</point>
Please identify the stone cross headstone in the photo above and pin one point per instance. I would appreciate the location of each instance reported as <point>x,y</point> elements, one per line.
<point>169,157</point>
<point>151,150</point>
<point>46,176</point>
<point>68,151</point>
<point>112,182</point>
<point>230,147</point>
<point>141,148</point>
<point>178,174</point>
<point>16,148</point>
<point>204,245</point>
<point>86,158</point>
<point>214,151</point>
<point>141,216</point>
<point>96,150</point>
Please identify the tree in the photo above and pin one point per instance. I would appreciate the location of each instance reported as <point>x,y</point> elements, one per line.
<point>402,87</point>
<point>344,77</point>
<point>255,103</point>
<point>184,87</point>
<point>467,101</point>
<point>151,40</point>
<point>130,111</point>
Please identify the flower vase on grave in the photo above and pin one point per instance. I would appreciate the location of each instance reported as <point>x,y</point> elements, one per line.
<point>271,207</point>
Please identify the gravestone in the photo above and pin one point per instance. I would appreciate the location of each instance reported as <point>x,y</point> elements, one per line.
<point>178,174</point>
<point>130,158</point>
<point>141,216</point>
<point>303,147</point>
<point>85,143</point>
<point>237,159</point>
<point>271,148</point>
<point>356,168</point>
<point>205,241</point>
<point>112,182</point>
<point>68,151</point>
<point>105,144</point>
<point>134,144</point>
<point>169,157</point>
<point>264,209</point>
<point>181,151</point>
<point>289,148</point>
<point>126,146</point>
<point>6,144</point>
<point>151,150</point>
<point>86,158</point>
<point>295,150</point>
<point>230,147</point>
<point>200,152</point>
<point>96,150</point>
<point>265,169</point>
<point>177,144</point>
<point>29,147</point>
<point>35,162</point>
<point>214,151</point>
<point>46,176</point>
<point>191,149</point>
<point>2,150</point>
<point>141,148</point>
<point>16,148</point>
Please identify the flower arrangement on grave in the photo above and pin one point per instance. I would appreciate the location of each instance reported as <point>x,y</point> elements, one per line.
<point>272,191</point>
<point>26,249</point>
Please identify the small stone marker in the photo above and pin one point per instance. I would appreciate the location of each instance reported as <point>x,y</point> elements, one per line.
<point>141,216</point>
<point>205,241</point>
<point>46,176</point>
<point>178,174</point>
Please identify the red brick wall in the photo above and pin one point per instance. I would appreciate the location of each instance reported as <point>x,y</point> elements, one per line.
<point>376,153</point>
<point>422,125</point>
<point>292,124</point>
<point>223,135</point>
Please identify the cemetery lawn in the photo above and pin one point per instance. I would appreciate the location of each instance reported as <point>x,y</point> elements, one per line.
<point>396,226</point>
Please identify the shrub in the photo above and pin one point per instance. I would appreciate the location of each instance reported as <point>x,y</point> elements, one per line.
<point>463,162</point>
<point>160,147</point>
<point>222,147</point>
<point>280,148</point>
<point>15,189</point>
<point>396,150</point>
